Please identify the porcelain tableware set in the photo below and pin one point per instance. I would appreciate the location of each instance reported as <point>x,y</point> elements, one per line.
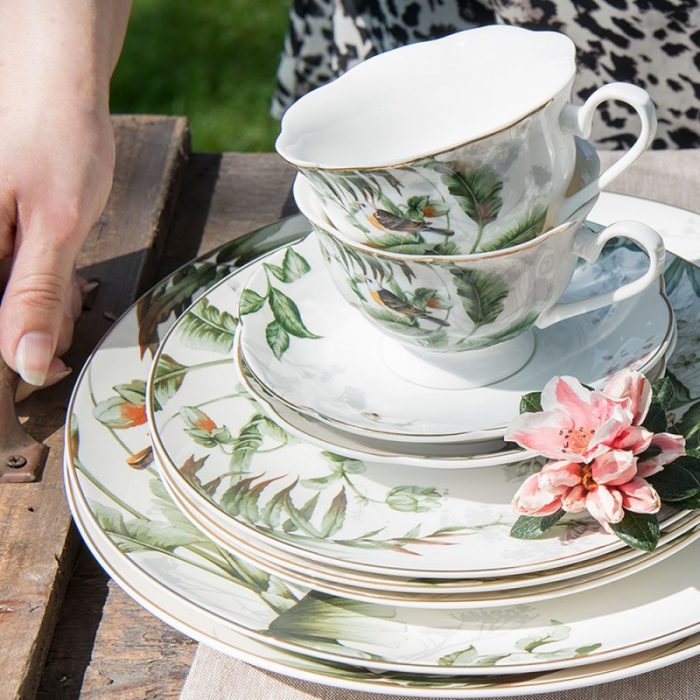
<point>300,460</point>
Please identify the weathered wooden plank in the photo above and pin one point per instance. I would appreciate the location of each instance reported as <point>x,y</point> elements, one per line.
<point>37,544</point>
<point>224,196</point>
<point>153,659</point>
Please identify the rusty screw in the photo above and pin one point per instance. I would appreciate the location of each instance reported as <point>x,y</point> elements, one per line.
<point>16,462</point>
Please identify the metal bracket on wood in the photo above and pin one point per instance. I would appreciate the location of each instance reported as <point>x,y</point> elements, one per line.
<point>22,458</point>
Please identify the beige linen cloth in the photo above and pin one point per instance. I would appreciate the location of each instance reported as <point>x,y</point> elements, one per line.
<point>667,176</point>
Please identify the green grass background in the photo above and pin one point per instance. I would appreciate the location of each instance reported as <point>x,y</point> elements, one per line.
<point>213,61</point>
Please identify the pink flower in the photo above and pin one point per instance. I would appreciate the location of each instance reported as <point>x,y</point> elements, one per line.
<point>576,424</point>
<point>596,440</point>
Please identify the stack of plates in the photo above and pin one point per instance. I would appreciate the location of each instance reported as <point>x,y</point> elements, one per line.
<point>284,500</point>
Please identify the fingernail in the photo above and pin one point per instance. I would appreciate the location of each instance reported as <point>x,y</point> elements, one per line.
<point>33,357</point>
<point>58,376</point>
<point>89,286</point>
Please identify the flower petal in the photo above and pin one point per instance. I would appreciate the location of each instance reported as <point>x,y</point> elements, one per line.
<point>671,445</point>
<point>543,432</point>
<point>614,467</point>
<point>617,422</point>
<point>635,439</point>
<point>605,505</point>
<point>533,500</point>
<point>640,496</point>
<point>568,395</point>
<point>559,477</point>
<point>575,500</point>
<point>633,385</point>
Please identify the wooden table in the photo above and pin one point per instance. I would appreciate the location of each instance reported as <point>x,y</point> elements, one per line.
<point>66,630</point>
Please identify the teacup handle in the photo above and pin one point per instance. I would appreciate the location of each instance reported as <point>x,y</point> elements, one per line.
<point>587,245</point>
<point>579,120</point>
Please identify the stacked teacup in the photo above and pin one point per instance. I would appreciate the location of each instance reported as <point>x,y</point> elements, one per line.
<point>460,166</point>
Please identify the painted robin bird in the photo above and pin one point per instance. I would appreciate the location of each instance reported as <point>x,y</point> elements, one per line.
<point>384,220</point>
<point>385,298</point>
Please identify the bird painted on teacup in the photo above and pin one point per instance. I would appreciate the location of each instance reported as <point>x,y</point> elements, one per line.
<point>385,221</point>
<point>388,300</point>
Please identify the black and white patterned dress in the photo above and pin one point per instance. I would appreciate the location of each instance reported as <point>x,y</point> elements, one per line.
<point>652,43</point>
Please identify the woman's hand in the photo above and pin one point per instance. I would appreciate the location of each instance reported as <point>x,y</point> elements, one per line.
<point>55,177</point>
<point>56,165</point>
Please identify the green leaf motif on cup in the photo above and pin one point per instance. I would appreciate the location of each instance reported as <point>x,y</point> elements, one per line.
<point>522,232</point>
<point>482,294</point>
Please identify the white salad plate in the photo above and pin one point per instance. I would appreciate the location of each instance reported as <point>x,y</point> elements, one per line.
<point>178,573</point>
<point>215,631</point>
<point>337,367</point>
<point>296,567</point>
<point>679,537</point>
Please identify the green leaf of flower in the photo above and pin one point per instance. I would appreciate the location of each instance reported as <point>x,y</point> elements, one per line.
<point>531,403</point>
<point>287,314</point>
<point>655,420</point>
<point>638,530</point>
<point>482,294</point>
<point>294,265</point>
<point>277,338</point>
<point>528,528</point>
<point>689,426</point>
<point>525,230</point>
<point>250,302</point>
<point>670,392</point>
<point>204,327</point>
<point>677,481</point>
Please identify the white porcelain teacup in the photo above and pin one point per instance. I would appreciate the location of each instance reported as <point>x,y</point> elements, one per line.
<point>484,303</point>
<point>455,146</point>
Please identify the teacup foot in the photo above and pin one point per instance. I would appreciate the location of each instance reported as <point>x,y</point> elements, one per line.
<point>459,370</point>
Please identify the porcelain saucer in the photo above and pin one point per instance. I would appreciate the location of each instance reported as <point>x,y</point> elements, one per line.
<point>443,455</point>
<point>331,365</point>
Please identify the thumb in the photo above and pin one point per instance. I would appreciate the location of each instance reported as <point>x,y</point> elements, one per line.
<point>36,303</point>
